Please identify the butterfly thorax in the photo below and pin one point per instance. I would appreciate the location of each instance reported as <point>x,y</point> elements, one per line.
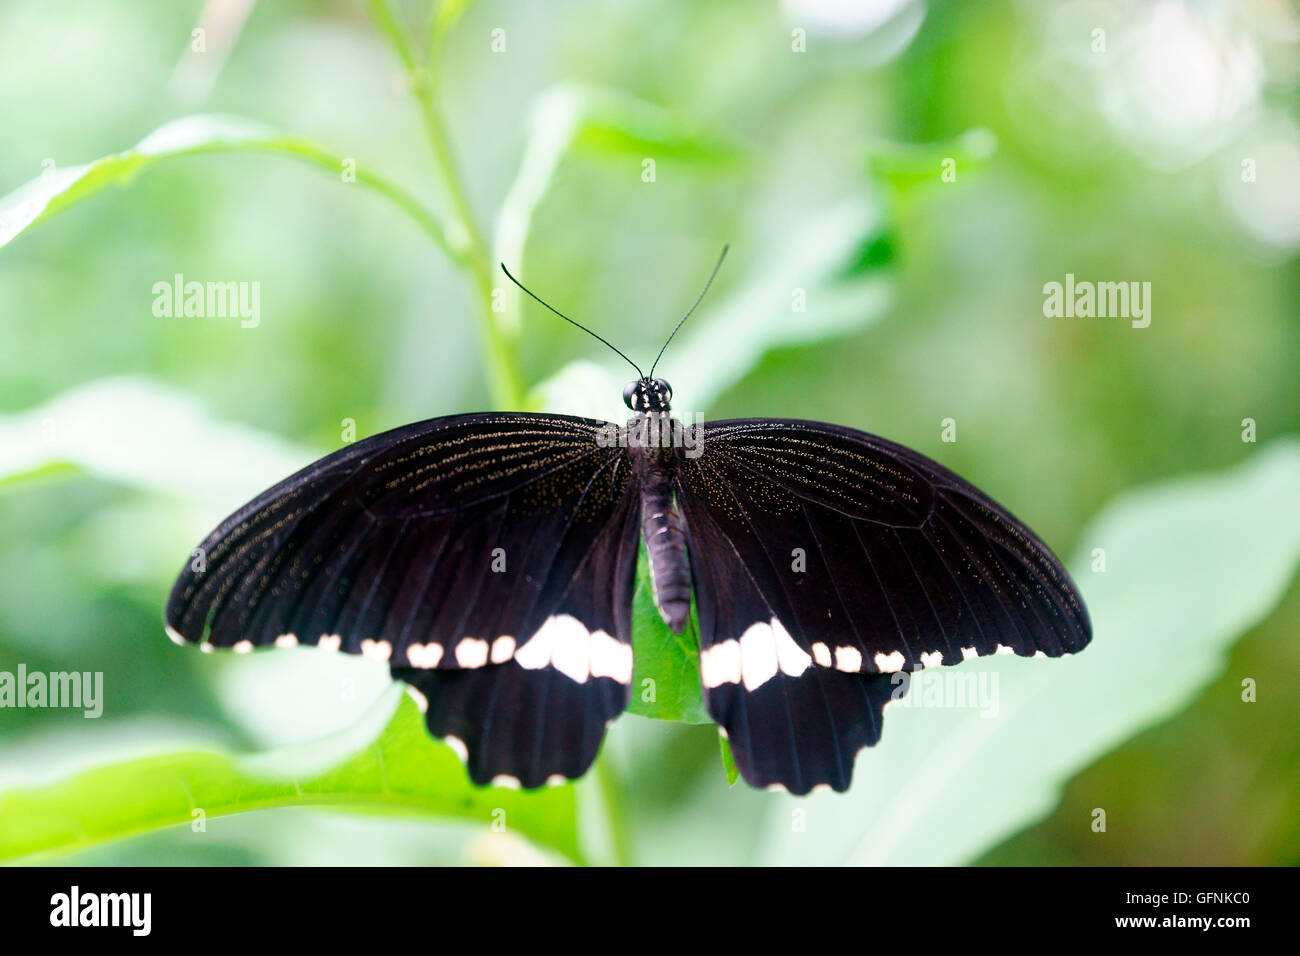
<point>653,453</point>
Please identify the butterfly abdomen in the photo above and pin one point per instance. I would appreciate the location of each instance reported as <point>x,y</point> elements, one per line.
<point>665,539</point>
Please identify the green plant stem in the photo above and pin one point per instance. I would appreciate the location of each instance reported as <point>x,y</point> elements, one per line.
<point>465,240</point>
<point>502,368</point>
<point>611,794</point>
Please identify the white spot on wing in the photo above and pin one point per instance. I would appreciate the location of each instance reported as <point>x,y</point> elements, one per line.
<point>891,662</point>
<point>287,640</point>
<point>535,652</point>
<point>758,662</point>
<point>1003,649</point>
<point>720,664</point>
<point>174,635</point>
<point>969,653</point>
<point>563,642</point>
<point>420,700</point>
<point>330,642</point>
<point>458,746</point>
<point>242,647</point>
<point>424,655</point>
<point>507,781</point>
<point>933,659</point>
<point>821,654</point>
<point>790,656</point>
<point>556,780</point>
<point>503,648</point>
<point>206,647</point>
<point>1040,653</point>
<point>570,646</point>
<point>471,652</point>
<point>610,657</point>
<point>376,650</point>
<point>848,658</point>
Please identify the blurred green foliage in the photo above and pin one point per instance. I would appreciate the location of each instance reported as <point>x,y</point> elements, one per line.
<point>825,171</point>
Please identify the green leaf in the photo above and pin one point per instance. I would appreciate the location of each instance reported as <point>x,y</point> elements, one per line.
<point>909,164</point>
<point>1191,565</point>
<point>728,762</point>
<point>381,765</point>
<point>614,124</point>
<point>110,428</point>
<point>670,662</point>
<point>61,187</point>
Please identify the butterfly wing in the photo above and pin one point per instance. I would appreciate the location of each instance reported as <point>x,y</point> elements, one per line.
<point>826,560</point>
<point>490,559</point>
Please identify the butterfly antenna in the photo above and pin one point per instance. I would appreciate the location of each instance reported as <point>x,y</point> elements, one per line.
<point>571,322</point>
<point>699,298</point>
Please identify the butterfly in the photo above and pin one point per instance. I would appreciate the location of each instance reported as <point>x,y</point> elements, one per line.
<point>490,559</point>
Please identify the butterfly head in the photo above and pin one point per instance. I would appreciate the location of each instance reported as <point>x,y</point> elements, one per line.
<point>648,395</point>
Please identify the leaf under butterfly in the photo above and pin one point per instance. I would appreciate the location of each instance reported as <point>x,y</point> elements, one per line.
<point>386,763</point>
<point>670,662</point>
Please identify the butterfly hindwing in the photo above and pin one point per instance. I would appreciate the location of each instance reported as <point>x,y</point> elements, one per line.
<point>540,716</point>
<point>790,723</point>
<point>488,558</point>
<point>825,561</point>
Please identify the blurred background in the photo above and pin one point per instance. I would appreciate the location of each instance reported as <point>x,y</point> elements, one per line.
<point>917,172</point>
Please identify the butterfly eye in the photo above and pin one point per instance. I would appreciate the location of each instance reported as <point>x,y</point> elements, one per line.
<point>629,394</point>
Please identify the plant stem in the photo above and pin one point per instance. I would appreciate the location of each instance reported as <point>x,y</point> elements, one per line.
<point>503,373</point>
<point>611,794</point>
<point>465,240</point>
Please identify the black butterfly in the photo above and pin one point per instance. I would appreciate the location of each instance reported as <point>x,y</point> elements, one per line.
<point>490,559</point>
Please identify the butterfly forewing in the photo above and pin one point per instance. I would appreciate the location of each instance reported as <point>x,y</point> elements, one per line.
<point>489,558</point>
<point>825,560</point>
